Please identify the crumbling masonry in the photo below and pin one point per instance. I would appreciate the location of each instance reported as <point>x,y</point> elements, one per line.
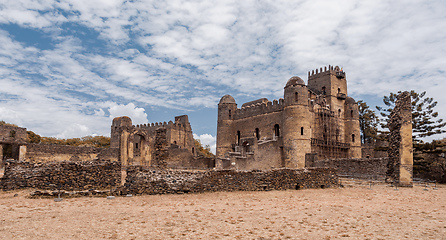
<point>400,164</point>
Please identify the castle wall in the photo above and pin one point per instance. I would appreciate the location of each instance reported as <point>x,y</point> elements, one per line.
<point>48,153</point>
<point>364,168</point>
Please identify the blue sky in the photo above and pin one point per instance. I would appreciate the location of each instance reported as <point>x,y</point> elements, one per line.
<point>68,67</point>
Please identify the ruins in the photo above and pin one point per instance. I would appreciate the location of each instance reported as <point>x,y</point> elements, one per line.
<point>314,121</point>
<point>304,140</point>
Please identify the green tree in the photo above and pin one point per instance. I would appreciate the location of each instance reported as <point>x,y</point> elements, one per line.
<point>424,119</point>
<point>368,123</point>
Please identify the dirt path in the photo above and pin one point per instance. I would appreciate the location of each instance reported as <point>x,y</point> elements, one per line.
<point>346,213</point>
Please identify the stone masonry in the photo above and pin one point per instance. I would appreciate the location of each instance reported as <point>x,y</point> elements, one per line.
<point>400,165</point>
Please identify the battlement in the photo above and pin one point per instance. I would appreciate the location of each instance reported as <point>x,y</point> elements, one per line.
<point>326,71</point>
<point>259,107</point>
<point>158,125</point>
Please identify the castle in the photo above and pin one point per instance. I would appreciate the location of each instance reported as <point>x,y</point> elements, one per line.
<point>314,121</point>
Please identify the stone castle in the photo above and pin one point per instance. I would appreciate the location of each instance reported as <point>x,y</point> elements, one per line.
<point>314,121</point>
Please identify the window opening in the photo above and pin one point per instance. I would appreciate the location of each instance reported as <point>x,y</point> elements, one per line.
<point>302,131</point>
<point>257,133</point>
<point>353,137</point>
<point>229,113</point>
<point>238,137</point>
<point>296,96</point>
<point>276,130</point>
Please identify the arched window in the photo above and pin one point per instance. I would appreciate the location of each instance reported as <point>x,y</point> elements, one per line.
<point>339,90</point>
<point>351,113</point>
<point>257,133</point>
<point>229,113</point>
<point>276,130</point>
<point>339,112</point>
<point>323,90</point>
<point>296,96</point>
<point>353,137</point>
<point>238,137</point>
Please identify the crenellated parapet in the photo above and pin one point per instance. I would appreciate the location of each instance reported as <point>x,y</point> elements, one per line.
<point>325,71</point>
<point>258,108</point>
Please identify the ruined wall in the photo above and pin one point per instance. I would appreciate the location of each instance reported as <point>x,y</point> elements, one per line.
<point>365,168</point>
<point>50,153</point>
<point>12,134</point>
<point>400,165</point>
<point>142,180</point>
<point>67,175</point>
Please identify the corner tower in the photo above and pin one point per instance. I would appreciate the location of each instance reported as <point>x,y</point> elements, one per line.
<point>331,83</point>
<point>225,133</point>
<point>296,123</point>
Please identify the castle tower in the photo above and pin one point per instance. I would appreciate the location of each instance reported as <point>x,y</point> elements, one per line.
<point>296,123</point>
<point>118,124</point>
<point>225,131</point>
<point>352,132</point>
<point>330,83</point>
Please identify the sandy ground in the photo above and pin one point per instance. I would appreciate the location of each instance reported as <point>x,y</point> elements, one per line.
<point>344,213</point>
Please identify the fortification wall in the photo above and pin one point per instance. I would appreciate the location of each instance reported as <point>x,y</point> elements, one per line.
<point>145,180</point>
<point>51,153</point>
<point>259,109</point>
<point>12,134</point>
<point>366,168</point>
<point>67,175</point>
<point>265,123</point>
<point>142,180</point>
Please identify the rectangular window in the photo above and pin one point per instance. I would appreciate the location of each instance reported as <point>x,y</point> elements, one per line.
<point>302,131</point>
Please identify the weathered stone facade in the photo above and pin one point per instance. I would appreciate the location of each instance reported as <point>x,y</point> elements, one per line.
<point>12,142</point>
<point>400,166</point>
<point>151,144</point>
<point>317,120</point>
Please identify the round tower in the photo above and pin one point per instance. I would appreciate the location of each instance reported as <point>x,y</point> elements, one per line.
<point>352,132</point>
<point>225,133</point>
<point>296,123</point>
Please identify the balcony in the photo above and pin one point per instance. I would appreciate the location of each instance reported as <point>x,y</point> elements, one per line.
<point>341,96</point>
<point>340,74</point>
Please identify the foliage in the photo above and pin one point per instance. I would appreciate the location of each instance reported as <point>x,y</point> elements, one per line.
<point>368,122</point>
<point>203,151</point>
<point>430,160</point>
<point>33,137</point>
<point>90,141</point>
<point>424,122</point>
<point>7,124</point>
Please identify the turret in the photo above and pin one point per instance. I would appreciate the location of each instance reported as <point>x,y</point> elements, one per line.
<point>296,123</point>
<point>225,133</point>
<point>352,133</point>
<point>117,125</point>
<point>295,92</point>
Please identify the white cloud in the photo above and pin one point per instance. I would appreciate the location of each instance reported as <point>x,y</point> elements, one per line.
<point>137,115</point>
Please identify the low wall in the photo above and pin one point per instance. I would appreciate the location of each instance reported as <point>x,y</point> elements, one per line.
<point>366,168</point>
<point>50,153</point>
<point>64,175</point>
<point>142,180</point>
<point>77,176</point>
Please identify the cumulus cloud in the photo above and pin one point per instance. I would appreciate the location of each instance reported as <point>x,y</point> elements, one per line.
<point>137,115</point>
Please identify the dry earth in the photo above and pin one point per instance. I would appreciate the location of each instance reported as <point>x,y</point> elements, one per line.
<point>344,213</point>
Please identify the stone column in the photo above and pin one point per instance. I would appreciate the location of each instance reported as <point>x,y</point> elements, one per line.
<point>22,152</point>
<point>400,165</point>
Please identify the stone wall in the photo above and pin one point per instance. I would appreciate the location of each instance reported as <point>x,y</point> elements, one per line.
<point>142,180</point>
<point>365,168</point>
<point>78,176</point>
<point>51,153</point>
<point>66,175</point>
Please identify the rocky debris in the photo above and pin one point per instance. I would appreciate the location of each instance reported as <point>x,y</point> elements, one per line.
<point>65,175</point>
